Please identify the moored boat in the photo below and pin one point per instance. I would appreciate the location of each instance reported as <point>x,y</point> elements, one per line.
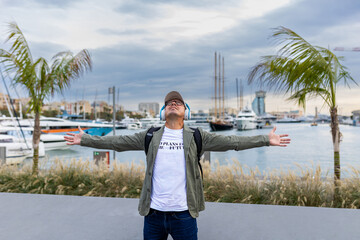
<point>220,126</point>
<point>246,119</point>
<point>288,120</point>
<point>18,149</point>
<point>62,126</point>
<point>50,141</point>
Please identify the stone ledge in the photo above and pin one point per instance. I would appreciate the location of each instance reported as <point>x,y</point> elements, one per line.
<point>43,217</point>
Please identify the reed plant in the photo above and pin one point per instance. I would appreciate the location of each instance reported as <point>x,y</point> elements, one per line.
<point>233,183</point>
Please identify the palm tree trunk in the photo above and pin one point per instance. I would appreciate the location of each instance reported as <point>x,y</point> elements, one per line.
<point>36,141</point>
<point>336,142</point>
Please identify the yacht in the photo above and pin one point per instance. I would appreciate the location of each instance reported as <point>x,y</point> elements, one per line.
<point>61,126</point>
<point>51,141</point>
<point>265,121</point>
<point>18,149</point>
<point>246,119</point>
<point>150,121</point>
<point>134,125</point>
<point>129,123</point>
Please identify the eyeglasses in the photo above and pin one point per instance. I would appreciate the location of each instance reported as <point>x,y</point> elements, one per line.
<point>178,103</point>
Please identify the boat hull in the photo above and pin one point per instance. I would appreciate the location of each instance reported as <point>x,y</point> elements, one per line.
<point>54,142</point>
<point>245,125</point>
<point>220,126</point>
<point>96,131</point>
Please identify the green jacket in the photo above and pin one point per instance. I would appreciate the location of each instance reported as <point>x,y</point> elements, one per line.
<point>194,186</point>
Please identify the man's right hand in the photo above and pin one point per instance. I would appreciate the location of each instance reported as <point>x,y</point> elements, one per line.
<point>74,139</point>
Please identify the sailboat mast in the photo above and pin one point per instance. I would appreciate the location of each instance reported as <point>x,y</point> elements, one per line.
<point>241,95</point>
<point>219,86</point>
<point>237,94</point>
<point>95,105</point>
<point>223,91</point>
<point>215,109</point>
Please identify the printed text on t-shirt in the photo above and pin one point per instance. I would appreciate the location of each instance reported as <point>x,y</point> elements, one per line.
<point>171,145</point>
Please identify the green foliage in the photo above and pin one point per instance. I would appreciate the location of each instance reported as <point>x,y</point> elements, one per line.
<point>50,113</point>
<point>5,112</point>
<point>222,184</point>
<point>301,69</point>
<point>136,115</point>
<point>304,71</point>
<point>39,77</point>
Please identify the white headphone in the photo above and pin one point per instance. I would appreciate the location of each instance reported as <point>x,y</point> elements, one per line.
<point>186,117</point>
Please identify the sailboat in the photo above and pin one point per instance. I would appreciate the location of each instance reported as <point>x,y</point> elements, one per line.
<point>219,123</point>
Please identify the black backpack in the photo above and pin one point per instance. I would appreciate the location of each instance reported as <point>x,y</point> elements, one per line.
<point>197,138</point>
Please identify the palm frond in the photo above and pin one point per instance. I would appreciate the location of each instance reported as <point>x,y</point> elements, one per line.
<point>67,67</point>
<point>19,48</point>
<point>300,69</point>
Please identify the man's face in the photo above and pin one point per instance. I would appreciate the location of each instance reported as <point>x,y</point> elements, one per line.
<point>174,109</point>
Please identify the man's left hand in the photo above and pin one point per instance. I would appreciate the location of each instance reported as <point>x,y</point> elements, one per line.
<point>278,140</point>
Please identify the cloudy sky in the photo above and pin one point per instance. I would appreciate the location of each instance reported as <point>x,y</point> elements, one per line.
<point>148,48</point>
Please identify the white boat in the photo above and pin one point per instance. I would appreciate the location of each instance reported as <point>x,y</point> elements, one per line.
<point>265,121</point>
<point>134,125</point>
<point>347,121</point>
<point>288,120</point>
<point>17,149</point>
<point>61,126</point>
<point>15,152</point>
<point>246,119</point>
<point>50,141</point>
<point>129,123</point>
<point>53,142</point>
<point>149,121</point>
<point>307,119</point>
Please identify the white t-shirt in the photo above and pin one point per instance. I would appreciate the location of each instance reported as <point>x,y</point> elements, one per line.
<point>169,174</point>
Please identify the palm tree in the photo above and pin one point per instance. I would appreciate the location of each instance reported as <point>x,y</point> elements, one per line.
<point>40,78</point>
<point>304,71</point>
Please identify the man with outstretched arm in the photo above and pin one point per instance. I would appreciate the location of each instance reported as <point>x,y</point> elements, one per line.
<point>172,193</point>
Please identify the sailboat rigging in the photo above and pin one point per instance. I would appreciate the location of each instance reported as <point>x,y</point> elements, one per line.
<point>219,123</point>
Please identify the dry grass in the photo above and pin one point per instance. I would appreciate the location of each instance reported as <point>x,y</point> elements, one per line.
<point>221,183</point>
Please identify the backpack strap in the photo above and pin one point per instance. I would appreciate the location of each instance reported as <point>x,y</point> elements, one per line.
<point>198,141</point>
<point>149,136</point>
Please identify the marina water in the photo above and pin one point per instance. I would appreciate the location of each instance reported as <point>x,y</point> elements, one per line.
<point>310,147</point>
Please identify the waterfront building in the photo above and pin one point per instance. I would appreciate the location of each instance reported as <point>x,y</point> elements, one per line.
<point>53,106</point>
<point>102,106</point>
<point>258,104</point>
<point>152,108</point>
<point>80,107</point>
<point>16,102</point>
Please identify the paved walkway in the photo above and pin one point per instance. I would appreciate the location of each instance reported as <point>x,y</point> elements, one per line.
<point>44,217</point>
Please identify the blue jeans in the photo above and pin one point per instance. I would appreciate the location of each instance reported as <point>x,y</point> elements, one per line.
<point>180,225</point>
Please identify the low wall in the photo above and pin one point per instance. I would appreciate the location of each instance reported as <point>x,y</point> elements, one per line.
<point>43,217</point>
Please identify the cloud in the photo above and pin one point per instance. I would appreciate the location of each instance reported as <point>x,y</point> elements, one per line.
<point>140,9</point>
<point>45,3</point>
<point>147,49</point>
<point>108,31</point>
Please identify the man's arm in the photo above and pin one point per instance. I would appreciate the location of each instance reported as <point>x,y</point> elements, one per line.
<point>218,143</point>
<point>215,142</point>
<point>118,143</point>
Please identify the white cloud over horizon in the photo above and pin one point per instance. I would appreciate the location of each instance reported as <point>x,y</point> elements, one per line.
<point>147,49</point>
